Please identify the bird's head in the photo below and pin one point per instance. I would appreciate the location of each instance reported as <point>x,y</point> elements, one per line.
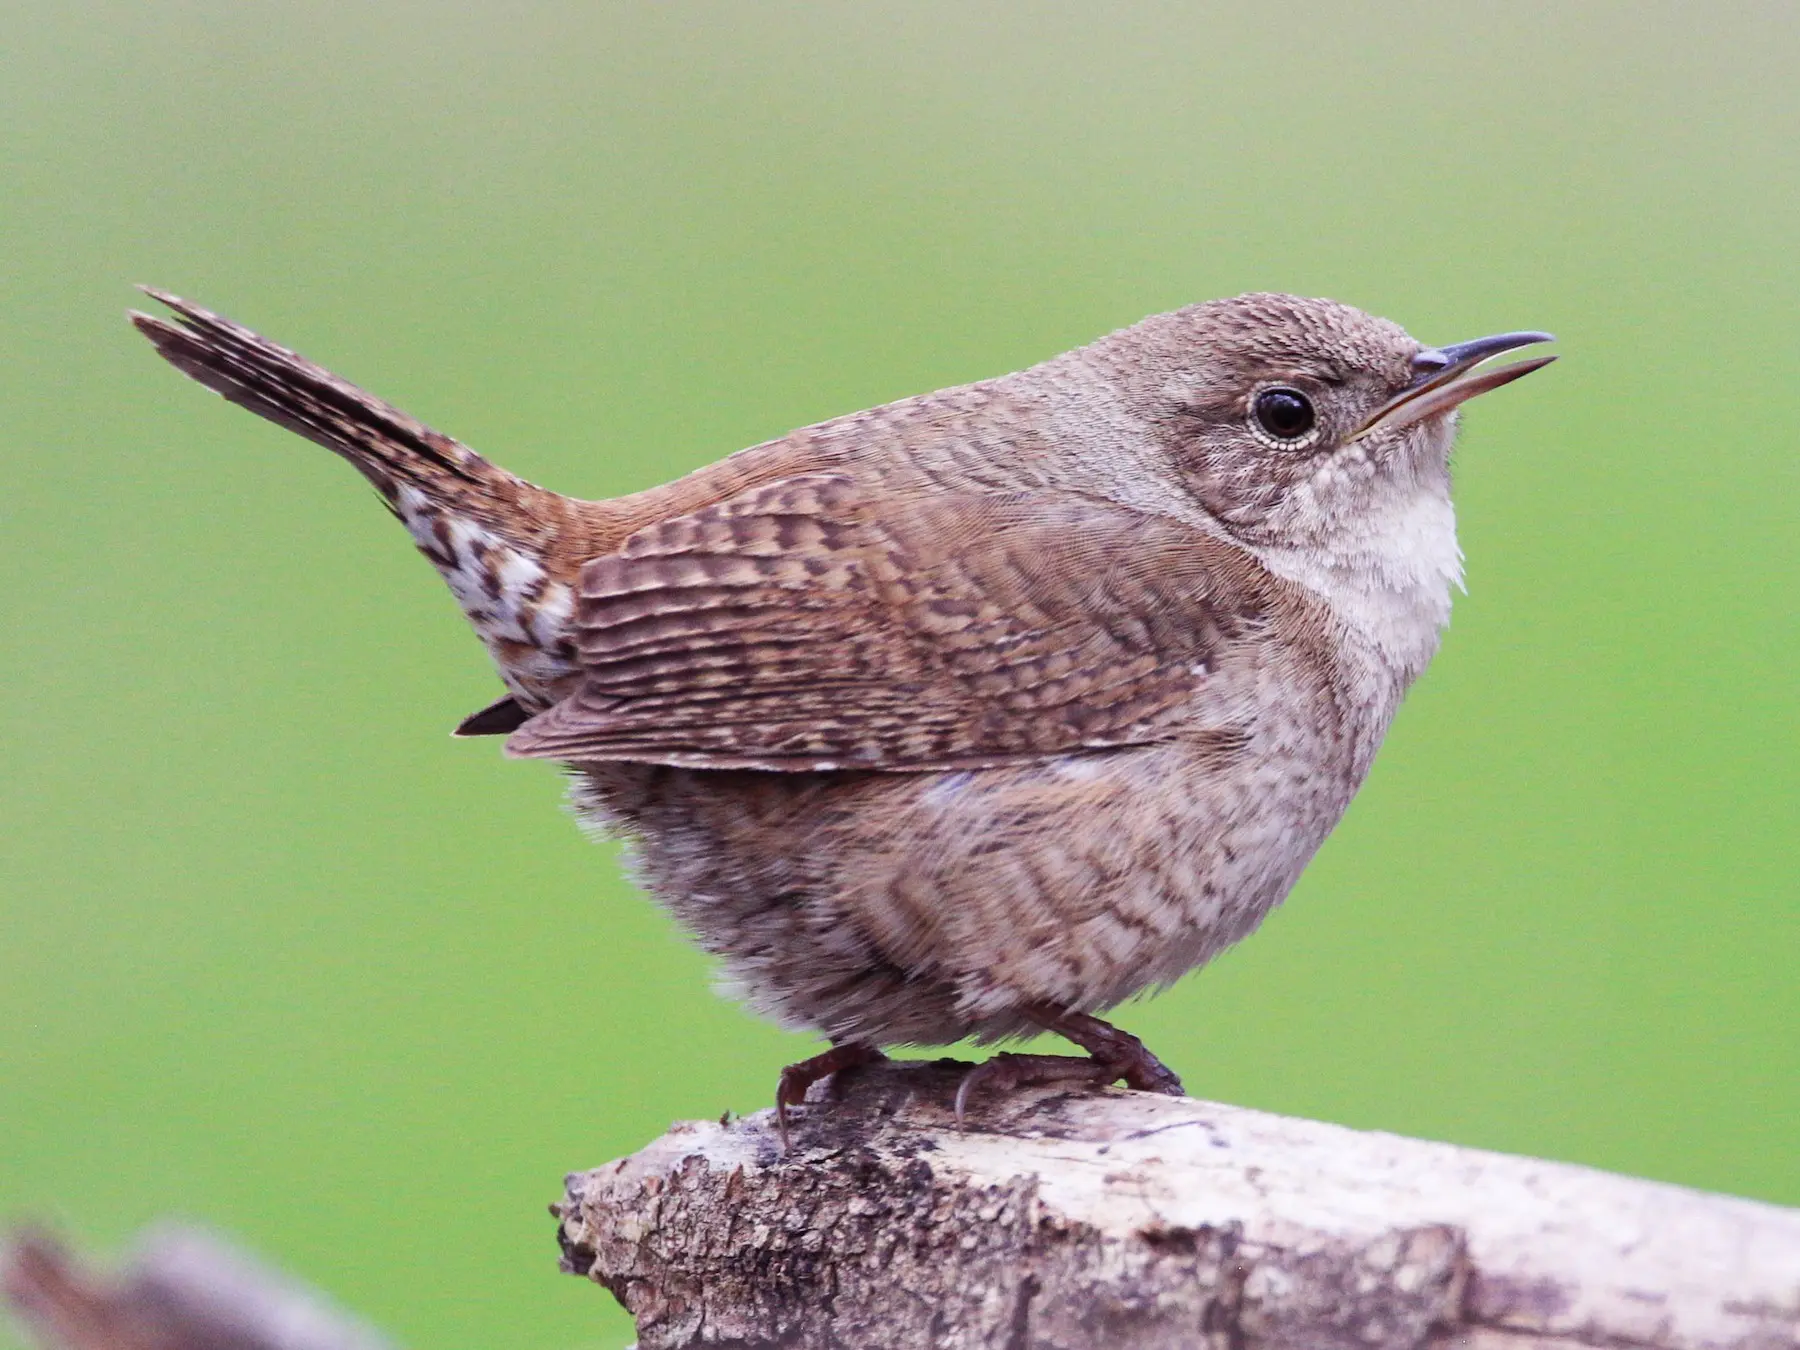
<point>1314,435</point>
<point>1308,423</point>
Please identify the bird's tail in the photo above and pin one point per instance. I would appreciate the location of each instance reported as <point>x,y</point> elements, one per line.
<point>491,535</point>
<point>387,447</point>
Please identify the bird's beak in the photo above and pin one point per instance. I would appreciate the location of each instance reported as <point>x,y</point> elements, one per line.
<point>1448,376</point>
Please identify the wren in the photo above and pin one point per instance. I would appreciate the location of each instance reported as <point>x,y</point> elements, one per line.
<point>979,713</point>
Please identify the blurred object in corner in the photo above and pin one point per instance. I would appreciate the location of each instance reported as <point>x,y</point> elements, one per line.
<point>183,1289</point>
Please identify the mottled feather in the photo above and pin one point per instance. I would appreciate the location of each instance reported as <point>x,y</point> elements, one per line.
<point>508,548</point>
<point>809,625</point>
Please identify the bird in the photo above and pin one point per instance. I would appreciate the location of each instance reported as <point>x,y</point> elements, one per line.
<point>980,713</point>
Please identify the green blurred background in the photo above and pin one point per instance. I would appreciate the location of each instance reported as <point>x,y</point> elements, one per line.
<point>277,954</point>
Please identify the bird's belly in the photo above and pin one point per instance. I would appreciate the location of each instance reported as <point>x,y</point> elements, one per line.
<point>926,907</point>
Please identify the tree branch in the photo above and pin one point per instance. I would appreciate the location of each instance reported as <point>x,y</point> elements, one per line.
<point>183,1290</point>
<point>1071,1220</point>
<point>1057,1220</point>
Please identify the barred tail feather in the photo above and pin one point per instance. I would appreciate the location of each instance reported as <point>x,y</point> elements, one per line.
<point>388,447</point>
<point>491,536</point>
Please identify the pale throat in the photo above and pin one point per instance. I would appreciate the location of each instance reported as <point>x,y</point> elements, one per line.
<point>1388,580</point>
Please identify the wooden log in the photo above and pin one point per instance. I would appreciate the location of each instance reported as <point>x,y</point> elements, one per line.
<point>1059,1220</point>
<point>1055,1220</point>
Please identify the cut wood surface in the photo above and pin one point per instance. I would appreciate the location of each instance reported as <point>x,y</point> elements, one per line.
<point>1082,1219</point>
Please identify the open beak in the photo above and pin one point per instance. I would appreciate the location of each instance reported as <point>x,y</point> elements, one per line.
<point>1448,376</point>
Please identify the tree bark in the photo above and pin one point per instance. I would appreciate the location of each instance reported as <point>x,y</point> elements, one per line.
<point>1055,1220</point>
<point>1059,1219</point>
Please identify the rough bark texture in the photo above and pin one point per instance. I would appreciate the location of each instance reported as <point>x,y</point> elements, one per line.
<point>1059,1220</point>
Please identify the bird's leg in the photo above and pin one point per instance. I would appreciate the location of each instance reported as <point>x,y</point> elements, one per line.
<point>1112,1049</point>
<point>797,1078</point>
<point>1114,1055</point>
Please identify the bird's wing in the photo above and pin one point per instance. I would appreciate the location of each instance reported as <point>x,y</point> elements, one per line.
<point>804,626</point>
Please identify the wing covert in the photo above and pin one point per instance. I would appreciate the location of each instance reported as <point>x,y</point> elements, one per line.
<point>803,626</point>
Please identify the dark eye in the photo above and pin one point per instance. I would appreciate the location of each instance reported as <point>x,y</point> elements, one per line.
<point>1286,414</point>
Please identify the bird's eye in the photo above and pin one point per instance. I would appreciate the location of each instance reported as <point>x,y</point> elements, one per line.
<point>1286,414</point>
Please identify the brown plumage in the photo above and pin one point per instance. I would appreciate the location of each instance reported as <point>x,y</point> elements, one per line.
<point>983,711</point>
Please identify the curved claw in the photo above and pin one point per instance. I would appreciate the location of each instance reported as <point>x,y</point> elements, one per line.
<point>1008,1071</point>
<point>1153,1076</point>
<point>796,1079</point>
<point>964,1088</point>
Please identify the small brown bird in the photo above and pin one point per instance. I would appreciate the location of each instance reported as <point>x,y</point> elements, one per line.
<point>981,712</point>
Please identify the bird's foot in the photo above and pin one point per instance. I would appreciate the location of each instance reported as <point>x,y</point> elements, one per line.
<point>1114,1056</point>
<point>1007,1072</point>
<point>1116,1049</point>
<point>797,1078</point>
